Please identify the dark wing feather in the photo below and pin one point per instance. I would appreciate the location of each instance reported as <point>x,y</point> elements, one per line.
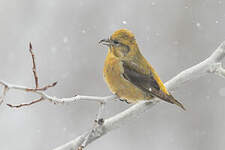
<point>143,81</point>
<point>147,83</point>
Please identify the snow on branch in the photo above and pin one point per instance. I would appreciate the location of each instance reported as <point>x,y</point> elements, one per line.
<point>40,91</point>
<point>212,65</point>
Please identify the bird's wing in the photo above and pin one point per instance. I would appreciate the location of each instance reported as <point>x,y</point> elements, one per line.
<point>139,79</point>
<point>146,82</point>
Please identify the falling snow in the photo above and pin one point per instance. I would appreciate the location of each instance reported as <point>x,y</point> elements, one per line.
<point>198,24</point>
<point>65,39</point>
<point>83,31</point>
<point>124,22</point>
<point>208,97</point>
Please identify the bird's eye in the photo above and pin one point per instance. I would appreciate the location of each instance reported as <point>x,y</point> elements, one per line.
<point>116,42</point>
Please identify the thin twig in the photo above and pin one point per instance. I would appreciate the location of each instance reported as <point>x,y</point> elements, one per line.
<point>100,111</point>
<point>34,65</point>
<point>43,95</point>
<point>43,88</point>
<point>36,89</point>
<point>26,104</point>
<point>99,121</point>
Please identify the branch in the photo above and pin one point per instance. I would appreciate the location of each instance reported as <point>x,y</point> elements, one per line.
<point>44,96</point>
<point>25,104</point>
<point>56,100</point>
<point>210,65</point>
<point>34,65</point>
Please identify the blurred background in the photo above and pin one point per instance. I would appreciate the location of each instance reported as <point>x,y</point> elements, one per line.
<point>172,35</point>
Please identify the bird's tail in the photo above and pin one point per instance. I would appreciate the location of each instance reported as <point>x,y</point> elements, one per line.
<point>166,97</point>
<point>176,102</point>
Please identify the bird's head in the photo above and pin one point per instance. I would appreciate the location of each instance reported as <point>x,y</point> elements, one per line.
<point>121,43</point>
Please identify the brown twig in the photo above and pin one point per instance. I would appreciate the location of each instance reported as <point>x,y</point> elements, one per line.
<point>34,65</point>
<point>26,104</point>
<point>36,89</point>
<point>43,88</point>
<point>44,96</point>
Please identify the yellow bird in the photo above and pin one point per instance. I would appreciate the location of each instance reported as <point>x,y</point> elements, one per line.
<point>128,74</point>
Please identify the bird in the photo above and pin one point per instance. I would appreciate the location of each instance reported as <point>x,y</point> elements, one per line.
<point>128,74</point>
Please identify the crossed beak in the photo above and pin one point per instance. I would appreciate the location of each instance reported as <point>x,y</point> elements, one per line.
<point>106,42</point>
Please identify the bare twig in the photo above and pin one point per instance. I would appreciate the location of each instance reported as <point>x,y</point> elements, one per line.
<point>36,89</point>
<point>99,121</point>
<point>100,111</point>
<point>43,88</point>
<point>25,104</point>
<point>43,95</point>
<point>40,91</point>
<point>34,65</point>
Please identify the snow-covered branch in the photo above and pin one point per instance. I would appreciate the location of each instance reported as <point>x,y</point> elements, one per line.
<point>53,99</point>
<point>210,65</point>
<point>40,91</point>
